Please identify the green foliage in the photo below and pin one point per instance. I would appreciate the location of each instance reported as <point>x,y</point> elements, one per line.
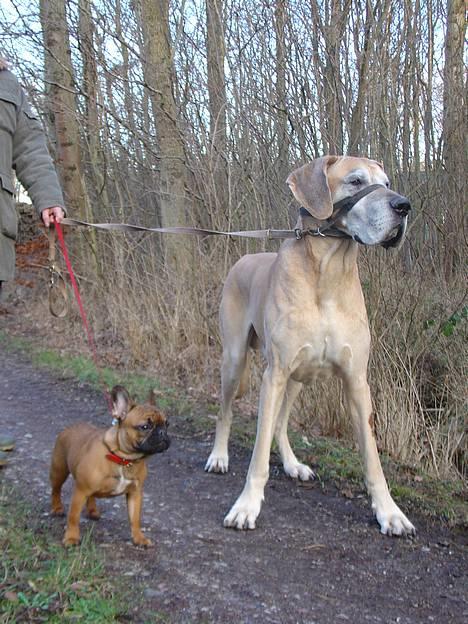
<point>447,327</point>
<point>43,582</point>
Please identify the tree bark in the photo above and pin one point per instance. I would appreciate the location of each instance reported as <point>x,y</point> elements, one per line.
<point>454,133</point>
<point>216,52</point>
<point>282,112</point>
<point>159,77</point>
<point>61,103</point>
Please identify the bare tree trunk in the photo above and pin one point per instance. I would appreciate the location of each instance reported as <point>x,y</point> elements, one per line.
<point>129,103</point>
<point>429,142</point>
<point>332,76</point>
<point>92,121</point>
<point>159,76</point>
<point>281,113</point>
<point>61,103</point>
<point>357,117</point>
<point>215,51</point>
<point>454,132</point>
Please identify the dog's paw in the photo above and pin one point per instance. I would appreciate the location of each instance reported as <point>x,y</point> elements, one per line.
<point>393,521</point>
<point>58,512</point>
<point>217,463</point>
<point>244,513</point>
<point>70,541</point>
<point>299,471</point>
<point>94,514</point>
<point>141,540</point>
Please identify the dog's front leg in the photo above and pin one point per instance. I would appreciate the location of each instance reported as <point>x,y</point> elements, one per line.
<point>390,517</point>
<point>134,504</point>
<point>247,507</point>
<point>72,533</point>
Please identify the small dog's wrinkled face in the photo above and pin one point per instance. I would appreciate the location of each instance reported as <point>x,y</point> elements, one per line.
<point>150,428</point>
<point>379,218</point>
<point>142,428</point>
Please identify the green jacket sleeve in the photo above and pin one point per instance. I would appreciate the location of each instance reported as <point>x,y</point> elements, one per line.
<point>32,162</point>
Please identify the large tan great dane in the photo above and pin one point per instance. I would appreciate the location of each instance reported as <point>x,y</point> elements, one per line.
<point>304,307</point>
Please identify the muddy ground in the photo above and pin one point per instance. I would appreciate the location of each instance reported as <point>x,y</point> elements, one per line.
<point>316,557</point>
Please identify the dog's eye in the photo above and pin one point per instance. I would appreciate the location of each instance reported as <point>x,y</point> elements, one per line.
<point>356,182</point>
<point>145,427</point>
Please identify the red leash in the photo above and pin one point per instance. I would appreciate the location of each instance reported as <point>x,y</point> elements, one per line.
<point>76,290</point>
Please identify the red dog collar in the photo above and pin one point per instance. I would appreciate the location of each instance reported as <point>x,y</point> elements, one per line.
<point>118,460</point>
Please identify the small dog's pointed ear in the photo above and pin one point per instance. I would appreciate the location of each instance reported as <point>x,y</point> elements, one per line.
<point>153,393</point>
<point>309,185</point>
<point>120,402</point>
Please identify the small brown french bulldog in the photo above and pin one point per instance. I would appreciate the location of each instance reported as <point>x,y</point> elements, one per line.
<point>108,462</point>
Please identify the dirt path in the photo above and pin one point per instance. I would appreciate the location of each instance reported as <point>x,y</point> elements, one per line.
<point>315,557</point>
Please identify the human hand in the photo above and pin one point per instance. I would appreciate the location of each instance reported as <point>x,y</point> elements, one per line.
<point>52,215</point>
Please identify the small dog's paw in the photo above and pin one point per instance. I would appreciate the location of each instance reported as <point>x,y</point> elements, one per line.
<point>394,522</point>
<point>141,540</point>
<point>217,463</point>
<point>70,541</point>
<point>57,512</point>
<point>299,471</point>
<point>94,514</point>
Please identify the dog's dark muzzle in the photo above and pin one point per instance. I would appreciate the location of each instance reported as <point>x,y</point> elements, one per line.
<point>401,206</point>
<point>156,442</point>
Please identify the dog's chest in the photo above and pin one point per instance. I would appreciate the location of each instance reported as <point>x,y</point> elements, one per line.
<point>117,484</point>
<point>321,359</point>
<point>122,483</point>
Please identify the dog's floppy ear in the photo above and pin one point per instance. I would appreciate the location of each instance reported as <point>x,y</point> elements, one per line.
<point>120,402</point>
<point>309,185</point>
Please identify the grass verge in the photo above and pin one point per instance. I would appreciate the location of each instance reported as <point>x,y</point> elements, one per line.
<point>43,582</point>
<point>335,462</point>
<point>412,489</point>
<point>83,369</point>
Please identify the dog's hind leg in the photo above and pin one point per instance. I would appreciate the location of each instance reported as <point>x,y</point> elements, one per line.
<point>292,466</point>
<point>58,475</point>
<point>237,334</point>
<point>233,376</point>
<point>91,508</point>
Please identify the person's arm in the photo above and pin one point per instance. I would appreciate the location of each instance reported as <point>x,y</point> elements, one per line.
<point>34,166</point>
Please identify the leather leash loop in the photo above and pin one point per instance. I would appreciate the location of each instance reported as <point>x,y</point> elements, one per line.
<point>58,295</point>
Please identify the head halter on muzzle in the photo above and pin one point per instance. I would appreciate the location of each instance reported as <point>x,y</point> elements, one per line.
<point>341,208</point>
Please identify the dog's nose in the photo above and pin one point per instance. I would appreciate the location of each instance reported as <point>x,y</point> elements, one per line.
<point>400,205</point>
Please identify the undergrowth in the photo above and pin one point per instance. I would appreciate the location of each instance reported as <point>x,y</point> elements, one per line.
<point>43,582</point>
